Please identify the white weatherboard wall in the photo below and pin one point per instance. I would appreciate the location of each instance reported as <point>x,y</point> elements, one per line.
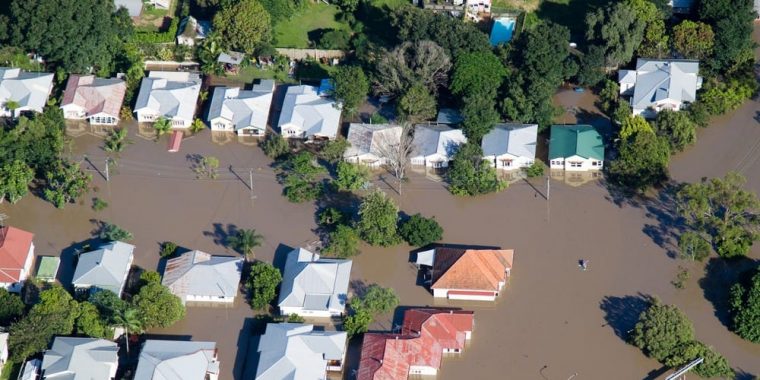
<point>576,163</point>
<point>444,293</point>
<point>422,370</point>
<point>502,162</point>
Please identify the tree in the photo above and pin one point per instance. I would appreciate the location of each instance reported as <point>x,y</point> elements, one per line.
<point>351,177</point>
<point>244,241</point>
<point>334,39</point>
<point>262,284</point>
<point>642,161</point>
<point>678,128</point>
<point>655,40</point>
<point>274,146</point>
<point>343,242</point>
<point>357,323</point>
<point>376,300</point>
<point>693,40</point>
<point>745,308</point>
<point>168,249</point>
<point>396,153</point>
<point>162,126</point>
<point>479,115</point>
<point>347,5</point>
<point>330,216</point>
<point>108,304</point>
<point>661,329</point>
<point>76,34</point>
<point>65,183</point>
<point>197,126</point>
<point>11,307</point>
<point>15,178</point>
<point>378,218</point>
<point>11,105</point>
<point>732,23</point>
<point>721,97</point>
<point>333,150</point>
<point>417,104</point>
<point>419,231</point>
<point>471,175</point>
<point>634,125</point>
<point>423,62</point>
<point>206,167</point>
<point>693,246</point>
<point>243,25</point>
<point>722,210</point>
<point>116,141</point>
<point>128,318</point>
<point>157,306</point>
<point>112,232</point>
<point>713,365</point>
<point>351,87</point>
<point>300,177</point>
<point>477,73</point>
<point>591,68</point>
<point>90,323</point>
<point>616,28</point>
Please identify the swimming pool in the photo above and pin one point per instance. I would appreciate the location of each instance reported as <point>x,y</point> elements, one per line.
<point>502,30</point>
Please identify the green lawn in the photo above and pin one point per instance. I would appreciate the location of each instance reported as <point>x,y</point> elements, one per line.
<point>294,33</point>
<point>392,4</point>
<point>10,371</point>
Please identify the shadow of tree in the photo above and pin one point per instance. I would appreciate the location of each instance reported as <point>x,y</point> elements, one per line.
<point>622,313</point>
<point>720,275</point>
<point>221,233</point>
<point>571,14</point>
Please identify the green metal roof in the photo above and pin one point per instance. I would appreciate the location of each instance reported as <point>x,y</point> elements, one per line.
<point>48,268</point>
<point>575,140</point>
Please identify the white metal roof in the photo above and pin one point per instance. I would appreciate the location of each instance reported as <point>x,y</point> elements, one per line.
<point>30,90</point>
<point>104,268</point>
<point>305,109</point>
<point>176,360</point>
<point>314,283</point>
<point>370,138</point>
<point>197,273</point>
<point>170,94</point>
<point>516,139</point>
<point>80,359</point>
<point>243,108</point>
<point>437,139</point>
<point>293,351</point>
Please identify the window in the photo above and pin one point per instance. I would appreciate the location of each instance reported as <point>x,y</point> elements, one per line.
<point>576,164</point>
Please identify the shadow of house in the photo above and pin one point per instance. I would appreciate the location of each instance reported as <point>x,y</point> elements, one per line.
<point>247,356</point>
<point>622,313</point>
<point>720,275</point>
<point>70,258</point>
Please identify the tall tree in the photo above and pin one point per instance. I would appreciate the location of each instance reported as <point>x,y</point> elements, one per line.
<point>471,175</point>
<point>396,153</point>
<point>617,29</point>
<point>422,62</point>
<point>351,87</point>
<point>745,308</point>
<point>642,161</point>
<point>15,178</point>
<point>243,25</point>
<point>678,128</point>
<point>262,284</point>
<point>591,67</point>
<point>479,115</point>
<point>128,318</point>
<point>732,23</point>
<point>157,306</point>
<point>417,104</point>
<point>11,307</point>
<point>661,329</point>
<point>478,73</point>
<point>378,219</point>
<point>244,241</point>
<point>693,40</point>
<point>91,323</point>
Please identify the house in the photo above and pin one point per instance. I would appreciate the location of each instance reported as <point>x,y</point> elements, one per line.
<point>510,146</point>
<point>467,274</point>
<point>312,286</point>
<point>426,335</point>
<point>80,359</point>
<point>172,95</point>
<point>133,7</point>
<point>177,360</point>
<point>305,114</point>
<point>191,30</point>
<point>435,145</point>
<point>105,268</point>
<point>658,85</point>
<point>576,148</point>
<point>296,351</point>
<point>3,348</point>
<point>22,91</point>
<point>243,111</point>
<point>96,99</point>
<point>370,144</point>
<point>16,257</point>
<point>231,61</point>
<point>199,277</point>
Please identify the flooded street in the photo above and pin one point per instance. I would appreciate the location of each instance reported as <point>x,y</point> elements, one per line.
<point>552,321</point>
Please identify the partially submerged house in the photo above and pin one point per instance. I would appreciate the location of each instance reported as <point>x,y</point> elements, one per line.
<point>296,351</point>
<point>371,144</point>
<point>435,145</point>
<point>312,286</point>
<point>171,95</point>
<point>96,99</point>
<point>197,276</point>
<point>658,85</point>
<point>426,335</point>
<point>467,274</point>
<point>510,146</point>
<point>307,115</point>
<point>177,360</point>
<point>576,147</point>
<point>16,257</point>
<point>105,268</point>
<point>191,30</point>
<point>80,359</point>
<point>244,112</point>
<point>22,91</point>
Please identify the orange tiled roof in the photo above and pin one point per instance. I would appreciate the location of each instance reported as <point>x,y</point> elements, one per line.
<point>14,247</point>
<point>475,269</point>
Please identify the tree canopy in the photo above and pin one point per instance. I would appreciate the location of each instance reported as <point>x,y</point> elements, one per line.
<point>378,218</point>
<point>642,161</point>
<point>11,307</point>
<point>617,29</point>
<point>693,40</point>
<point>157,306</point>
<point>262,284</point>
<point>420,231</point>
<point>243,25</point>
<point>661,329</point>
<point>423,62</point>
<point>745,308</point>
<point>417,104</point>
<point>471,175</point>
<point>15,178</point>
<point>477,73</point>
<point>351,87</point>
<point>678,128</point>
<point>343,242</point>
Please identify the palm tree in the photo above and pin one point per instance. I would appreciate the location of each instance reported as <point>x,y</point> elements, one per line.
<point>128,318</point>
<point>162,126</point>
<point>117,140</point>
<point>11,105</point>
<point>244,241</point>
<point>197,126</point>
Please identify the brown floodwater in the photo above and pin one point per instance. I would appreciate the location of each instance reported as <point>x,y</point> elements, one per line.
<point>553,321</point>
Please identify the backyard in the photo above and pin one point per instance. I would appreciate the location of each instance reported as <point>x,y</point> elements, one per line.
<point>302,30</point>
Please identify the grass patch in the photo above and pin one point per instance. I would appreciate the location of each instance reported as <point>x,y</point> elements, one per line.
<point>10,371</point>
<point>393,4</point>
<point>312,19</point>
<point>526,5</point>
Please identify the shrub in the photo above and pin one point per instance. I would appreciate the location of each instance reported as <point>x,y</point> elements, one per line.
<point>99,204</point>
<point>344,242</point>
<point>378,220</point>
<point>330,216</point>
<point>351,177</point>
<point>274,146</point>
<point>112,232</point>
<point>419,231</point>
<point>168,249</point>
<point>536,169</point>
<point>745,308</point>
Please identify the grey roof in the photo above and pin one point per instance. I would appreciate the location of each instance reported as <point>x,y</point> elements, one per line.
<point>134,7</point>
<point>176,360</point>
<point>313,114</point>
<point>170,94</point>
<point>432,139</point>
<point>79,359</point>
<point>516,139</point>
<point>197,273</point>
<point>370,138</point>
<point>30,90</point>
<point>106,267</point>
<point>293,351</point>
<point>658,80</point>
<point>243,108</point>
<point>231,57</point>
<point>314,283</point>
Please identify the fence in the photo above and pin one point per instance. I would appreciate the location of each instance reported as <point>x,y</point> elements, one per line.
<point>299,54</point>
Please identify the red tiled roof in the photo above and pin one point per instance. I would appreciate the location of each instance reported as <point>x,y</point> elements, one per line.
<point>14,248</point>
<point>424,335</point>
<point>476,269</point>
